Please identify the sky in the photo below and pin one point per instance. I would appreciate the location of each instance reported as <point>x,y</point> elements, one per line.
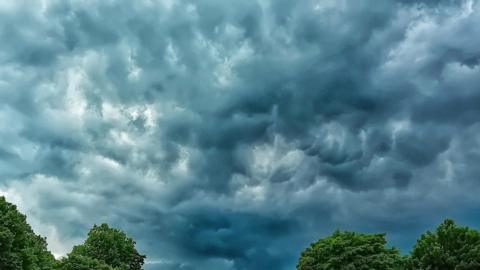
<point>229,135</point>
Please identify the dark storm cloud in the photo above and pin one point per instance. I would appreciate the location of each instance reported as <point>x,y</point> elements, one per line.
<point>230,135</point>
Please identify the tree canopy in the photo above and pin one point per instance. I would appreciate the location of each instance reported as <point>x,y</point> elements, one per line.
<point>448,247</point>
<point>20,247</point>
<point>112,247</point>
<point>78,262</point>
<point>350,251</point>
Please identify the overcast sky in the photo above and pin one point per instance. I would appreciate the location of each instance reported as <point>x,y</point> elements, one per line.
<point>229,135</point>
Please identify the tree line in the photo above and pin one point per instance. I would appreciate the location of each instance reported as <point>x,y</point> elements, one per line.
<point>21,249</point>
<point>449,247</point>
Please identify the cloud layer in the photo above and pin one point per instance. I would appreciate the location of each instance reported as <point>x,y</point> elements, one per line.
<point>231,134</point>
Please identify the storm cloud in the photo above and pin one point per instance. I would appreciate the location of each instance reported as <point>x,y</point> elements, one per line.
<point>232,134</point>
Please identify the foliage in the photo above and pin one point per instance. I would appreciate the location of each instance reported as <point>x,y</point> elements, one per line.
<point>20,247</point>
<point>78,262</point>
<point>449,247</point>
<point>350,251</point>
<point>112,247</point>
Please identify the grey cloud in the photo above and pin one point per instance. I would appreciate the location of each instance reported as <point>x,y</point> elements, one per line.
<point>230,135</point>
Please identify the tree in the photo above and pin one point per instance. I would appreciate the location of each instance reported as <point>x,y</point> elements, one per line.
<point>78,262</point>
<point>350,251</point>
<point>110,246</point>
<point>449,247</point>
<point>20,247</point>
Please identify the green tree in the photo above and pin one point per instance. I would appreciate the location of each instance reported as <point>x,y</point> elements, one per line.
<point>20,247</point>
<point>78,262</point>
<point>448,247</point>
<point>350,251</point>
<point>110,246</point>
